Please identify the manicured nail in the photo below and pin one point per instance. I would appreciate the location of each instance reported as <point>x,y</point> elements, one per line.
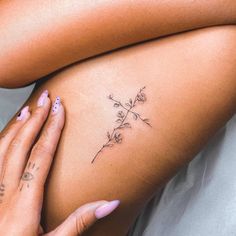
<point>106,209</point>
<point>42,98</point>
<point>56,105</point>
<point>23,113</point>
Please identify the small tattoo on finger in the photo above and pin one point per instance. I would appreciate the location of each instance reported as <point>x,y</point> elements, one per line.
<point>28,175</point>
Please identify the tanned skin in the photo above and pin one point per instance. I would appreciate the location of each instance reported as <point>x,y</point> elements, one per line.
<point>190,89</point>
<point>40,37</point>
<point>189,82</point>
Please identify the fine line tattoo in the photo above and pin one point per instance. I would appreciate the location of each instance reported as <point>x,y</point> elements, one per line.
<point>115,137</point>
<point>28,175</point>
<point>2,191</point>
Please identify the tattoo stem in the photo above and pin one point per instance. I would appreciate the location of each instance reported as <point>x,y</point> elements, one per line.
<point>115,136</point>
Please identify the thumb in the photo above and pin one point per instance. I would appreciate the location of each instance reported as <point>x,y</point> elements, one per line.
<point>84,217</point>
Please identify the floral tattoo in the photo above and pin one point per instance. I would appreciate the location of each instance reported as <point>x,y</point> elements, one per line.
<point>2,191</point>
<point>126,110</point>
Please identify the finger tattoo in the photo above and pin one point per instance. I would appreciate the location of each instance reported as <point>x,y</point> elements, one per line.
<point>29,175</point>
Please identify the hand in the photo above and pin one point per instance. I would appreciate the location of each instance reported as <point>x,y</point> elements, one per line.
<point>24,166</point>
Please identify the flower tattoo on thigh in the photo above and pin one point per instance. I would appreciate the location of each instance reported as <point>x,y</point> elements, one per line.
<point>28,175</point>
<point>2,191</point>
<point>125,110</point>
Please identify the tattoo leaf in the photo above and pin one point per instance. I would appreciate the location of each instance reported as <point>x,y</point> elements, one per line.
<point>146,121</point>
<point>135,116</point>
<point>119,120</point>
<point>108,145</point>
<point>126,125</point>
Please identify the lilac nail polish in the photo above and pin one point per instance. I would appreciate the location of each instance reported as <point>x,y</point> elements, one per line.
<point>42,98</point>
<point>23,113</point>
<point>106,209</point>
<point>56,105</point>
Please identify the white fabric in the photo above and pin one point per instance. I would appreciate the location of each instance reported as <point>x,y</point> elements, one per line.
<point>199,201</point>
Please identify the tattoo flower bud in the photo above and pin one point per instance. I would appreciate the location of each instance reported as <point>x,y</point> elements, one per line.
<point>120,114</point>
<point>141,97</point>
<point>118,138</point>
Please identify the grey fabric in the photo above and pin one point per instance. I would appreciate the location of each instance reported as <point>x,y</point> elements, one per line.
<point>199,201</point>
<point>10,102</point>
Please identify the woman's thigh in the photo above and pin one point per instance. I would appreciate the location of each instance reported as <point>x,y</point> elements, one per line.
<point>190,84</point>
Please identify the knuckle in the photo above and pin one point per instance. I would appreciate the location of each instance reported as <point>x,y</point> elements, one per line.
<point>81,225</point>
<point>41,149</point>
<point>8,132</point>
<point>48,134</point>
<point>54,126</point>
<point>45,136</point>
<point>15,143</point>
<point>52,130</point>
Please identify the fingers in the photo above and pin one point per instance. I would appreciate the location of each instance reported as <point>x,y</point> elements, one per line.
<point>37,168</point>
<point>19,147</point>
<point>10,132</point>
<point>83,218</point>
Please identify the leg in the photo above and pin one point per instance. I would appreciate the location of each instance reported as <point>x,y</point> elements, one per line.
<point>190,88</point>
<point>88,28</point>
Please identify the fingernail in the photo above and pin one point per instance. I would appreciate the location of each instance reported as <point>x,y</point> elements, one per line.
<point>56,105</point>
<point>23,113</point>
<point>42,98</point>
<point>106,209</point>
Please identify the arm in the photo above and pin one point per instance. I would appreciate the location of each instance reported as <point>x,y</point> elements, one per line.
<point>40,37</point>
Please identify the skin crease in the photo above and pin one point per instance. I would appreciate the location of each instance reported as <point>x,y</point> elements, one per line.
<point>190,86</point>
<point>49,35</point>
